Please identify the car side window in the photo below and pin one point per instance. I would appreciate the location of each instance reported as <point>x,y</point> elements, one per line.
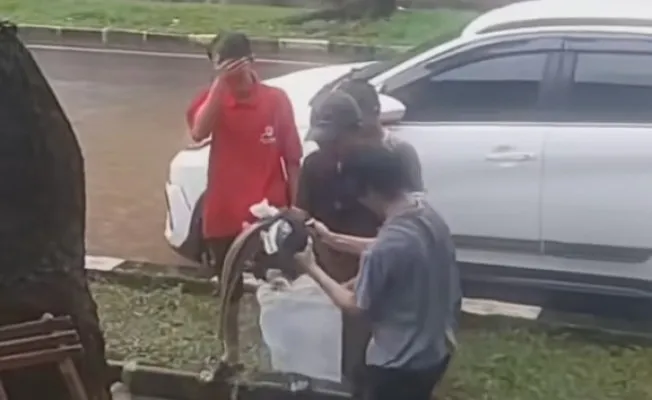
<point>502,88</point>
<point>611,87</point>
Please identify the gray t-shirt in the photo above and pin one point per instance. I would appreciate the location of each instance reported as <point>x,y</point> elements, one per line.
<point>409,289</point>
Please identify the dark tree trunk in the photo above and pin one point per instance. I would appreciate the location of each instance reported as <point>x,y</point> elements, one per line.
<point>349,10</point>
<point>42,222</point>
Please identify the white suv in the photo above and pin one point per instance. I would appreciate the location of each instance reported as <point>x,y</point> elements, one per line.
<point>534,129</point>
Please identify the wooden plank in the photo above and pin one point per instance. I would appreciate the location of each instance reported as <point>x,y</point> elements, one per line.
<point>30,328</point>
<point>3,392</point>
<point>72,379</point>
<point>41,342</point>
<point>38,357</point>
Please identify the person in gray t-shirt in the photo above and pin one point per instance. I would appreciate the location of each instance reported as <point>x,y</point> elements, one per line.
<point>408,286</point>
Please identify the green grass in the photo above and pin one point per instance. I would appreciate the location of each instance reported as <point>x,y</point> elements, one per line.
<point>403,28</point>
<point>497,361</point>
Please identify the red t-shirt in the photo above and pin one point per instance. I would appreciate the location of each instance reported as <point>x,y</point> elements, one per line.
<point>250,142</point>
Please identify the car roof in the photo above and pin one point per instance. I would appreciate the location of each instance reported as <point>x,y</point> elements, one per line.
<point>560,13</point>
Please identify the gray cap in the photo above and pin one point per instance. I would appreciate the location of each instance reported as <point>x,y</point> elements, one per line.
<point>336,114</point>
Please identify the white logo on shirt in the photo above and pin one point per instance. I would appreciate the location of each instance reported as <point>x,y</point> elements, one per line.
<point>268,137</point>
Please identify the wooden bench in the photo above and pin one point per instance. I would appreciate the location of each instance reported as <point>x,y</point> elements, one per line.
<point>45,341</point>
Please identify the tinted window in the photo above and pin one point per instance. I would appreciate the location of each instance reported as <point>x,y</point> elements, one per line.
<point>497,89</point>
<point>372,70</point>
<point>612,88</point>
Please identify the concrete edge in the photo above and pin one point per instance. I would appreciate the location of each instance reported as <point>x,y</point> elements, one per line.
<point>126,39</point>
<point>140,273</point>
<point>160,382</point>
<point>194,280</point>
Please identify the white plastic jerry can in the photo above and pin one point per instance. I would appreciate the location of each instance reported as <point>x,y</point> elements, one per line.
<point>302,329</point>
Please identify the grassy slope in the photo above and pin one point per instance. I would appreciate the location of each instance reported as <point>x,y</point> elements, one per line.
<point>404,28</point>
<point>499,362</point>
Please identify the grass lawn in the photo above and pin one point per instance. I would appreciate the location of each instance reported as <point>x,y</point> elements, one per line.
<point>499,360</point>
<point>404,28</point>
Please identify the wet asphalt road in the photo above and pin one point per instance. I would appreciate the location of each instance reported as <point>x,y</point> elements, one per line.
<point>128,114</point>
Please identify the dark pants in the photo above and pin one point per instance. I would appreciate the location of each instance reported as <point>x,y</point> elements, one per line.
<point>398,384</point>
<point>355,338</point>
<point>217,249</point>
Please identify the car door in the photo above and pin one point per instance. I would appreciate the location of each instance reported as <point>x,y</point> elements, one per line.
<point>597,191</point>
<point>475,117</point>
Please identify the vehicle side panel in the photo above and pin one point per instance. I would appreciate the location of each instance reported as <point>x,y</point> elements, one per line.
<point>489,203</point>
<point>597,195</point>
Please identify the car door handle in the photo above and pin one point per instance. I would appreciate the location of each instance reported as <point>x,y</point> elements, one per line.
<point>509,156</point>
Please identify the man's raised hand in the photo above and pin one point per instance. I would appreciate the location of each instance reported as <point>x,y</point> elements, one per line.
<point>232,65</point>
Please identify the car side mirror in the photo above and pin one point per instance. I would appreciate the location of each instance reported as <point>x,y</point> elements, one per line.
<point>391,110</point>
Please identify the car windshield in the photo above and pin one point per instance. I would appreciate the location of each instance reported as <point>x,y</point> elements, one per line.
<point>374,69</point>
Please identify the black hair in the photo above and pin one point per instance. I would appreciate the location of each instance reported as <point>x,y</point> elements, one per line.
<point>229,45</point>
<point>369,102</point>
<point>365,95</point>
<point>373,168</point>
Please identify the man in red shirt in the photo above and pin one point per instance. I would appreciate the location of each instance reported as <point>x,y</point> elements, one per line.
<point>255,154</point>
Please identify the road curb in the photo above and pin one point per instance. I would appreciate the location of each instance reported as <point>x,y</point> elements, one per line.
<point>125,39</point>
<point>194,279</point>
<point>150,381</point>
<point>141,273</point>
